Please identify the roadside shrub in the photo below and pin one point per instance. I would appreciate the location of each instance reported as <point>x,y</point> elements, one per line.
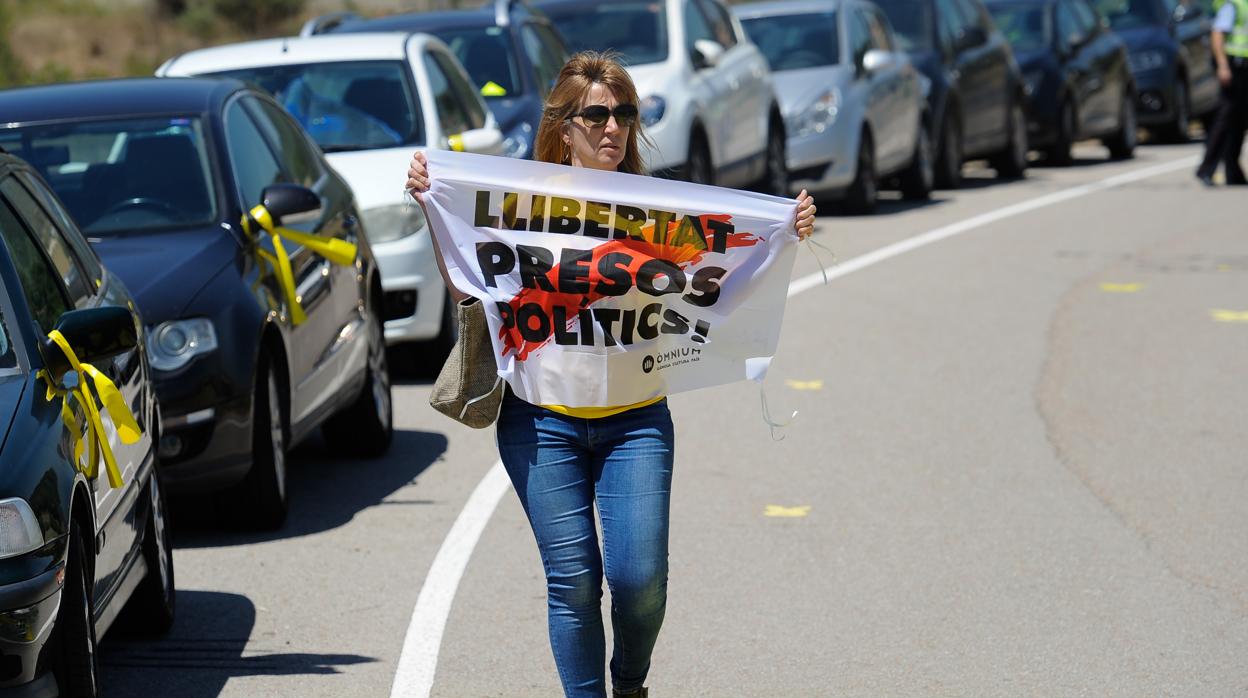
<point>256,16</point>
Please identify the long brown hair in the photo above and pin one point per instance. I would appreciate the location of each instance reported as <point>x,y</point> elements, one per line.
<point>578,75</point>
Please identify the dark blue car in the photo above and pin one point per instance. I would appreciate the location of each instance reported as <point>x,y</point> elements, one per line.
<point>159,173</point>
<point>1168,45</point>
<point>511,51</point>
<point>1078,82</point>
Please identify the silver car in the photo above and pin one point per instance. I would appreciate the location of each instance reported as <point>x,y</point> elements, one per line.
<point>853,104</point>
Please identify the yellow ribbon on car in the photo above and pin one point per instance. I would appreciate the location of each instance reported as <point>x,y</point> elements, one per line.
<point>337,251</point>
<point>97,439</point>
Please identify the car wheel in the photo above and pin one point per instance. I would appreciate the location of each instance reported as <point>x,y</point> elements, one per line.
<point>1177,130</point>
<point>151,609</point>
<point>1011,162</point>
<point>1122,144</point>
<point>264,489</point>
<point>864,192</point>
<point>775,180</point>
<point>77,662</point>
<point>366,427</point>
<point>1059,152</point>
<point>920,175</point>
<point>698,166</point>
<point>949,161</point>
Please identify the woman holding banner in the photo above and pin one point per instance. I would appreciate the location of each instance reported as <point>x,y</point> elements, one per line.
<point>561,460</point>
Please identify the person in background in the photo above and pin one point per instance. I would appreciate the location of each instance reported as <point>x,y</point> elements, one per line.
<point>1226,136</point>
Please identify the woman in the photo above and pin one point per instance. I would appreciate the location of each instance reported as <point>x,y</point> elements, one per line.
<point>563,460</point>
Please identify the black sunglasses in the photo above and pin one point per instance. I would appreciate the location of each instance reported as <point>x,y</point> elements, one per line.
<point>596,116</point>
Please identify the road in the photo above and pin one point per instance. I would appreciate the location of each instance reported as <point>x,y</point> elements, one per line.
<point>1017,469</point>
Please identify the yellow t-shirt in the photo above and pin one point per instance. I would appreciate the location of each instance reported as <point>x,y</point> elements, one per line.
<point>599,412</point>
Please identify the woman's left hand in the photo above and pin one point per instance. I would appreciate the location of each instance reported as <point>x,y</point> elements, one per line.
<point>805,222</point>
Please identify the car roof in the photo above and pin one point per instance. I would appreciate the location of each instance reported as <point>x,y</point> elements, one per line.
<point>419,21</point>
<point>784,7</point>
<point>322,48</point>
<point>113,98</point>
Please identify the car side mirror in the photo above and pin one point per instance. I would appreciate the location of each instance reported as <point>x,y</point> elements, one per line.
<point>94,334</point>
<point>972,37</point>
<point>706,54</point>
<point>481,140</point>
<point>291,204</point>
<point>876,60</point>
<point>1179,14</point>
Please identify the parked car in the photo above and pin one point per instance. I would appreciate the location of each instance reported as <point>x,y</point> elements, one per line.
<point>511,51</point>
<point>159,174</point>
<point>1168,45</point>
<point>706,94</point>
<point>853,109</point>
<point>976,97</point>
<point>74,550</point>
<point>368,100</point>
<point>1078,82</point>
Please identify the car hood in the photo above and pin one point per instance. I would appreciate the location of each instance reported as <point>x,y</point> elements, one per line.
<point>797,89</point>
<point>164,271</point>
<point>376,176</point>
<point>652,79</point>
<point>1141,38</point>
<point>1034,59</point>
<point>10,395</point>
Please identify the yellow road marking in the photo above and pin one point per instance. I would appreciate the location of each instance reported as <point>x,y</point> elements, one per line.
<point>804,385</point>
<point>777,510</point>
<point>1220,315</point>
<point>1109,287</point>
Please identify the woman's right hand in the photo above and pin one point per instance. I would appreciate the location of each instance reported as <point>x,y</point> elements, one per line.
<point>418,176</point>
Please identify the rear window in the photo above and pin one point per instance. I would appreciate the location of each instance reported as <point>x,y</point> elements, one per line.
<point>637,30</point>
<point>912,23</point>
<point>345,106</point>
<point>793,42</point>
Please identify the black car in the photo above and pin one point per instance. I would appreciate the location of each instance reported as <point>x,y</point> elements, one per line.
<point>1168,46</point>
<point>75,545</point>
<point>159,173</point>
<point>510,50</point>
<point>976,99</point>
<point>1076,72</point>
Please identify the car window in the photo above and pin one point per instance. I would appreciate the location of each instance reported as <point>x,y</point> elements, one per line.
<point>546,64</point>
<point>794,42</point>
<point>1025,27</point>
<point>949,23</point>
<point>488,55</point>
<point>451,113</point>
<point>1068,33</point>
<point>720,22</point>
<point>251,160</point>
<point>912,23</point>
<point>464,91</point>
<point>969,14</point>
<point>1085,17</point>
<point>878,28</point>
<point>50,238</point>
<point>40,283</point>
<point>859,36</point>
<point>636,30</point>
<point>301,161</point>
<point>1128,14</point>
<point>8,359</point>
<point>65,223</point>
<point>697,28</point>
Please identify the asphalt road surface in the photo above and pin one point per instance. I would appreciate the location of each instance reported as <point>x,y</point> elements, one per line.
<point>1019,468</point>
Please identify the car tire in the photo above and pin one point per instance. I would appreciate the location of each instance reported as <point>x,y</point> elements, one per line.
<point>151,608</point>
<point>698,168</point>
<point>366,427</point>
<point>263,491</point>
<point>1059,152</point>
<point>949,153</point>
<point>1177,130</point>
<point>1011,161</point>
<point>775,179</point>
<point>1122,144</point>
<point>863,193</point>
<point>920,175</point>
<point>77,667</point>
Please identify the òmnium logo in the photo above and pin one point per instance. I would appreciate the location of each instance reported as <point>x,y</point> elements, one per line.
<point>668,359</point>
<point>647,364</point>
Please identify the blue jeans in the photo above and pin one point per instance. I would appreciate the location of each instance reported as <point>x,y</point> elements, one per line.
<point>560,466</point>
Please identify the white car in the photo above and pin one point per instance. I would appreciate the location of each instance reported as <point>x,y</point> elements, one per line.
<point>369,100</point>
<point>706,92</point>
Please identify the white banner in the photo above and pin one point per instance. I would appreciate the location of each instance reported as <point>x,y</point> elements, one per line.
<point>605,289</point>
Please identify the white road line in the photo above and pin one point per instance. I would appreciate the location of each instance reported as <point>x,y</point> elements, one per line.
<point>419,660</point>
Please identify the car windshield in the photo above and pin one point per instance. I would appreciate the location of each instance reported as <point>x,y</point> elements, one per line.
<point>637,30</point>
<point>344,106</point>
<point>793,42</point>
<point>121,176</point>
<point>1026,27</point>
<point>912,23</point>
<point>1126,14</point>
<point>489,57</point>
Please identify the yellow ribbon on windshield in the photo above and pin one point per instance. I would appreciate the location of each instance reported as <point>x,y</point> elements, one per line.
<point>97,439</point>
<point>337,251</point>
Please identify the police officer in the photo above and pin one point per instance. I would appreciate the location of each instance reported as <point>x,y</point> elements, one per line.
<point>1230,52</point>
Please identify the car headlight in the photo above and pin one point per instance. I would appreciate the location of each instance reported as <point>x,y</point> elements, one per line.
<point>19,529</point>
<point>518,141</point>
<point>652,110</point>
<point>818,115</point>
<point>390,223</point>
<point>171,345</point>
<point>1145,60</point>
